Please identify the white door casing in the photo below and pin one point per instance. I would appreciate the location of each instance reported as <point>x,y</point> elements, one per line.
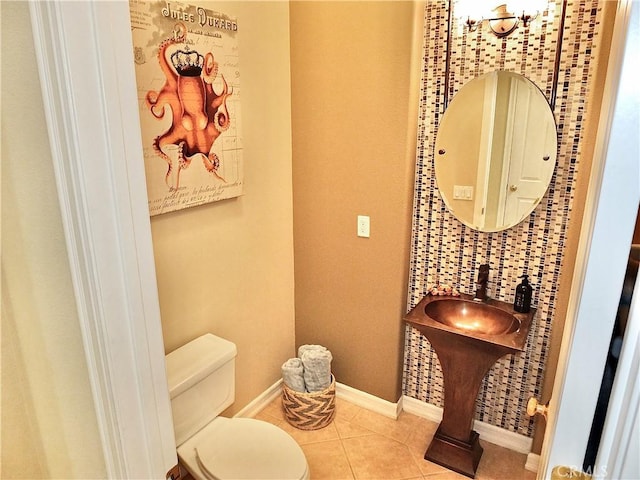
<point>85,60</point>
<point>485,152</point>
<point>607,228</point>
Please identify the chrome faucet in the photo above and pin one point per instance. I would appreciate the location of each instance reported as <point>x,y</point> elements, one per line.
<point>481,284</point>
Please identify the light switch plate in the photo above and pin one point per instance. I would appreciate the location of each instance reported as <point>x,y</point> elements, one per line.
<point>462,192</point>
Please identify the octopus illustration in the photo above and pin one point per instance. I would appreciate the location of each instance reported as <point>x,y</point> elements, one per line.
<point>198,114</point>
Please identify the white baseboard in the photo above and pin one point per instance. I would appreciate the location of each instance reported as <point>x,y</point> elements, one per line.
<point>533,461</point>
<point>490,433</point>
<point>422,409</point>
<point>350,394</point>
<point>261,401</point>
<point>368,401</point>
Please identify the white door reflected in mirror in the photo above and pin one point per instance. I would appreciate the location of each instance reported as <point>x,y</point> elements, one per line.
<point>497,139</point>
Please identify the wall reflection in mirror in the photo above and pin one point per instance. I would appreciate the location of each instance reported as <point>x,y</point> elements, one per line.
<point>495,151</point>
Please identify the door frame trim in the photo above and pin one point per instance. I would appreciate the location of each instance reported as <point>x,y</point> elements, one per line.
<point>91,108</point>
<point>605,238</point>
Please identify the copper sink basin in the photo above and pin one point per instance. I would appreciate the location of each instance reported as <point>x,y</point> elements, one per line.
<point>491,322</point>
<point>472,316</point>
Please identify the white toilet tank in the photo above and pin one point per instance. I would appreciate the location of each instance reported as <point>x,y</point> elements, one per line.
<point>201,377</point>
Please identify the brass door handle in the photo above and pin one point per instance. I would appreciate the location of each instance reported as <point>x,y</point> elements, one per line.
<point>513,188</point>
<point>535,408</point>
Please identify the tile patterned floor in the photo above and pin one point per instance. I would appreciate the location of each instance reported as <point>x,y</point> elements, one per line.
<point>360,444</point>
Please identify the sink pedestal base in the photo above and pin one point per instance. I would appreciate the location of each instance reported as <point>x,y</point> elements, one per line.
<point>461,457</point>
<point>464,362</point>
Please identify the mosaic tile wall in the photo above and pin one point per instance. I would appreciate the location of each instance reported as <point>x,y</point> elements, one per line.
<point>446,251</point>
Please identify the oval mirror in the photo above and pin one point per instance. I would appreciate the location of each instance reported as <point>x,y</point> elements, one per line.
<point>495,151</point>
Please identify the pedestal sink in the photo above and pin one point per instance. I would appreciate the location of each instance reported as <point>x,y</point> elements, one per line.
<point>468,337</point>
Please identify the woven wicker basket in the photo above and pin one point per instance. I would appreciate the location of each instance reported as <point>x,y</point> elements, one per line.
<point>310,411</point>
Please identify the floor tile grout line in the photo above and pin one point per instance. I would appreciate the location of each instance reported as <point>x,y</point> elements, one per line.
<point>346,454</point>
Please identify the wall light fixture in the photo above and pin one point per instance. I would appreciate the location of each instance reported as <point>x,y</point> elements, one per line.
<point>503,19</point>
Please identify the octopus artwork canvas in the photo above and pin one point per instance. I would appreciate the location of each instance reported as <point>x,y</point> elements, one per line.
<point>188,80</point>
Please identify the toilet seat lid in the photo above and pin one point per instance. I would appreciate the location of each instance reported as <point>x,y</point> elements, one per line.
<point>243,448</point>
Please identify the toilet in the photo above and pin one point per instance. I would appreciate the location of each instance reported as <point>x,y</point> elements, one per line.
<point>201,377</point>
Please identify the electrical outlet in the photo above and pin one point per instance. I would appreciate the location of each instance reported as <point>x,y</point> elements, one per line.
<point>363,226</point>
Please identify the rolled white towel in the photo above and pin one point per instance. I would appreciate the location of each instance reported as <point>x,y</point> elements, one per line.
<point>308,348</point>
<point>317,369</point>
<point>293,374</point>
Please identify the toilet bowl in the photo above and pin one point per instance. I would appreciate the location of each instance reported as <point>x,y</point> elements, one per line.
<point>201,377</point>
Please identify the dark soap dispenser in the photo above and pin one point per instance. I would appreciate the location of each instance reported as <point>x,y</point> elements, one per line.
<point>522,302</point>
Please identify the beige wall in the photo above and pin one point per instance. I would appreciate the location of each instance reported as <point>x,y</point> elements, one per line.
<point>353,154</point>
<point>227,267</point>
<point>49,427</point>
